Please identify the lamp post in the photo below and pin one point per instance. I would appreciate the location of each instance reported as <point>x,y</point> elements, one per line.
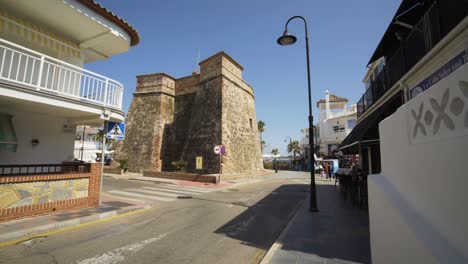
<point>285,40</point>
<point>290,141</point>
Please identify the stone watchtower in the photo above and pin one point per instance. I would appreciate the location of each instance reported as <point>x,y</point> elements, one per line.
<point>179,119</point>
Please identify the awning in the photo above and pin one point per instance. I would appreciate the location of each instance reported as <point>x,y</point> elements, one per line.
<point>8,140</point>
<point>367,130</point>
<point>412,11</point>
<point>37,35</point>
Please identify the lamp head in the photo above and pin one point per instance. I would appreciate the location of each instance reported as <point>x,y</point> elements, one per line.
<point>286,39</point>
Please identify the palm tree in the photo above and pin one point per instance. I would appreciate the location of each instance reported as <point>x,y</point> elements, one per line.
<point>275,151</point>
<point>261,129</point>
<point>98,138</point>
<point>294,147</point>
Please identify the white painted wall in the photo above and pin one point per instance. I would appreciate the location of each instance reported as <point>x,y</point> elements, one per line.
<point>55,145</point>
<point>417,205</point>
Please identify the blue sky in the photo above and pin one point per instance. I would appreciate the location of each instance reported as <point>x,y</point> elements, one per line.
<point>343,35</point>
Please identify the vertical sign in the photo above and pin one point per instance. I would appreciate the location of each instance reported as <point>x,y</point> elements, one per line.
<point>199,163</point>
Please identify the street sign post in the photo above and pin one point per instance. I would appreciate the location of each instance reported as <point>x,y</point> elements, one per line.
<point>217,149</point>
<point>115,130</point>
<point>220,150</point>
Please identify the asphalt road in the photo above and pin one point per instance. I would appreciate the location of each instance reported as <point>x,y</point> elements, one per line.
<point>234,225</point>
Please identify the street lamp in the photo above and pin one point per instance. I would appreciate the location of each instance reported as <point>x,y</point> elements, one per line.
<point>285,40</point>
<point>290,156</point>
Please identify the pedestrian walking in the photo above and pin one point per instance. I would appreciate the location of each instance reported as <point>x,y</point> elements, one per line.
<point>330,170</point>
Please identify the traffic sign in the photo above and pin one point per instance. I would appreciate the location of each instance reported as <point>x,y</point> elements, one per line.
<point>217,149</point>
<point>223,149</point>
<point>115,130</point>
<point>199,163</point>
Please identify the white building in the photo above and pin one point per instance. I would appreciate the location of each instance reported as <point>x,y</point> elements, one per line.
<point>412,135</point>
<point>336,121</point>
<point>44,89</point>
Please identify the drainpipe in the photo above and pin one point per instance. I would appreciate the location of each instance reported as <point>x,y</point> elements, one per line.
<point>82,142</point>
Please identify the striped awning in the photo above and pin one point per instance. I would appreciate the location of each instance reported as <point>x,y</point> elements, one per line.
<point>28,31</point>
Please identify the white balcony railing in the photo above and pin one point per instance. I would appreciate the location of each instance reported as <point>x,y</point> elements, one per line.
<point>34,70</point>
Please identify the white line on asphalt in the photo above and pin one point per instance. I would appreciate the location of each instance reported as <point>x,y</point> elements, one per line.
<point>159,193</point>
<point>195,189</point>
<point>301,181</point>
<point>171,190</point>
<point>118,255</point>
<point>143,196</point>
<point>126,198</point>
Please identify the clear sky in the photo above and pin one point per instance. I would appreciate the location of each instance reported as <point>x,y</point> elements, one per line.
<point>343,34</point>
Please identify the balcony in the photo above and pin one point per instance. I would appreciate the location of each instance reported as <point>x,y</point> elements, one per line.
<point>438,20</point>
<point>32,70</point>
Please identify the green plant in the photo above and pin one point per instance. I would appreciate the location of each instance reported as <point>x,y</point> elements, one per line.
<point>275,151</point>
<point>179,165</point>
<point>123,164</point>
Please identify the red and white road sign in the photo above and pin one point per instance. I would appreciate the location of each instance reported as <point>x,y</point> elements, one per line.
<point>217,149</point>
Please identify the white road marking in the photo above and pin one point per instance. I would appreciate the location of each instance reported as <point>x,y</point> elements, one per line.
<point>187,188</point>
<point>157,192</point>
<point>126,198</point>
<point>171,190</point>
<point>301,181</point>
<point>119,254</point>
<point>143,196</point>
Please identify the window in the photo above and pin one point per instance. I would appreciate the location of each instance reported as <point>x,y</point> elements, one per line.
<point>251,123</point>
<point>8,140</point>
<point>351,123</point>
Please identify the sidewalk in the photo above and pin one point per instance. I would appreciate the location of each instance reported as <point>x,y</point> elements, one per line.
<point>24,229</point>
<point>224,184</point>
<point>339,233</point>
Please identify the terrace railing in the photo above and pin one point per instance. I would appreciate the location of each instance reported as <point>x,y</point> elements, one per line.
<point>33,70</point>
<point>439,19</point>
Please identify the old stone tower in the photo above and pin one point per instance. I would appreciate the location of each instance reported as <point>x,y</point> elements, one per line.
<point>179,119</point>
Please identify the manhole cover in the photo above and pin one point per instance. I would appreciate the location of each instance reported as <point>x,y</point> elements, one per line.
<point>184,197</point>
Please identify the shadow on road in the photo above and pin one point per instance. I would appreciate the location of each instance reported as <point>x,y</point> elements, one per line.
<point>338,231</point>
<point>261,223</point>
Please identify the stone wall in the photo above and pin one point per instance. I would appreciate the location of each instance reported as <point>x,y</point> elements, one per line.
<point>32,195</point>
<point>27,193</point>
<point>148,122</point>
<point>185,119</point>
<point>239,130</point>
<point>204,127</point>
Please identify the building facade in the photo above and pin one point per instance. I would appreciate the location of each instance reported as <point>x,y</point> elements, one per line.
<point>45,93</point>
<point>412,135</point>
<point>181,119</point>
<point>336,121</point>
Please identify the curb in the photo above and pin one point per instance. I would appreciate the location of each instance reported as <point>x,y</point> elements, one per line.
<point>38,231</point>
<point>278,242</point>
